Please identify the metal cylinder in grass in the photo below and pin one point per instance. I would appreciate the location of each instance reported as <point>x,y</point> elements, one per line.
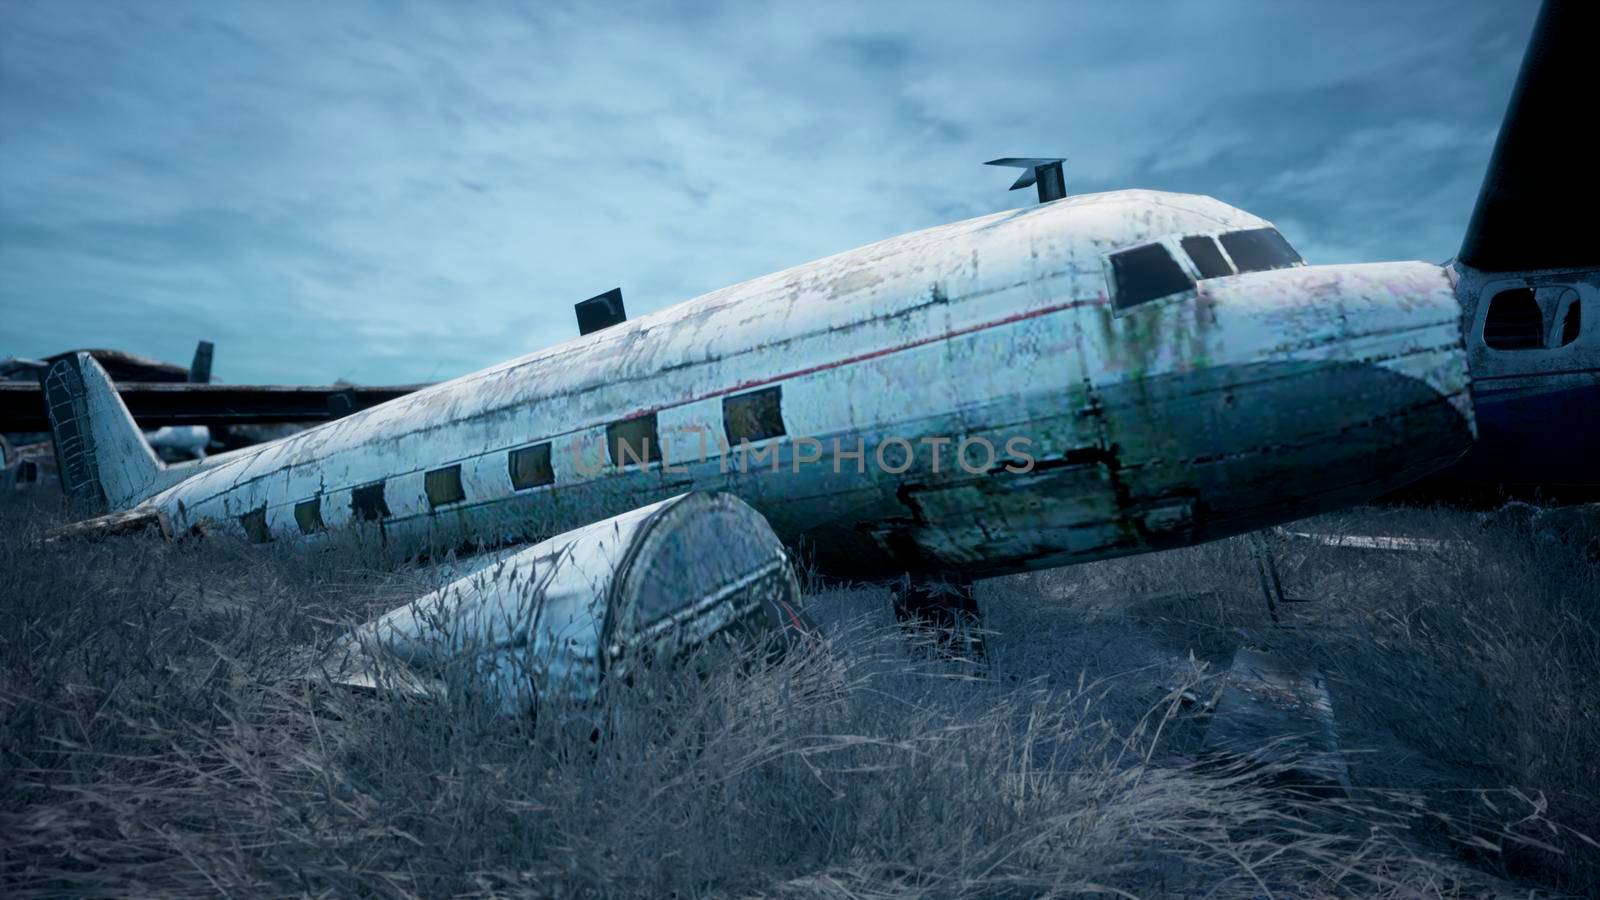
<point>555,619</point>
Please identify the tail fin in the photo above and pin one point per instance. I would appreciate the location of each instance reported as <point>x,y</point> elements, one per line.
<point>104,461</point>
<point>1536,207</point>
<point>200,369</point>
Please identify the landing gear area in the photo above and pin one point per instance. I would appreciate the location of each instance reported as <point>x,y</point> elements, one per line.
<point>946,609</point>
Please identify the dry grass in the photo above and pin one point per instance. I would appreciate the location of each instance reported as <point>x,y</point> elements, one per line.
<point>158,740</point>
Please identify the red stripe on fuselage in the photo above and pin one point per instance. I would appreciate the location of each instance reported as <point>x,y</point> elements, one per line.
<point>874,354</point>
<point>744,385</point>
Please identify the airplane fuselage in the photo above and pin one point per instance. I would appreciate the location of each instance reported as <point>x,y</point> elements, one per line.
<point>988,396</point>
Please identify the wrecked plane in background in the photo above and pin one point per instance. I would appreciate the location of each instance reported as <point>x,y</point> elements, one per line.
<point>186,416</point>
<point>121,366</point>
<point>1095,376</point>
<point>162,394</point>
<point>27,457</point>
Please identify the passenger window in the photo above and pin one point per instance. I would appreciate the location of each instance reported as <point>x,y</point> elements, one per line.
<point>530,467</point>
<point>1208,260</point>
<point>308,515</point>
<point>368,504</point>
<point>1514,321</point>
<point>1145,273</point>
<point>755,416</point>
<point>255,525</point>
<point>633,441</point>
<point>443,486</point>
<point>1259,250</point>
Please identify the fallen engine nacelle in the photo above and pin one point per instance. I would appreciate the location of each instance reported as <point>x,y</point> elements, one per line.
<point>559,617</point>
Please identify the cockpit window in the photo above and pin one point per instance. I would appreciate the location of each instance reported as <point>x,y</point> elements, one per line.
<point>1260,249</point>
<point>1208,260</point>
<point>1146,273</point>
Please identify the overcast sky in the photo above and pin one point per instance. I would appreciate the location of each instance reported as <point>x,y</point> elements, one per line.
<point>390,193</point>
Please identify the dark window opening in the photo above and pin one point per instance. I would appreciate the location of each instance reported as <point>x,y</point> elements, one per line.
<point>443,486</point>
<point>308,515</point>
<point>755,416</point>
<point>368,504</point>
<point>1207,258</point>
<point>633,442</point>
<point>1259,250</point>
<point>530,467</point>
<point>1572,322</point>
<point>255,524</point>
<point>1514,321</point>
<point>1146,273</point>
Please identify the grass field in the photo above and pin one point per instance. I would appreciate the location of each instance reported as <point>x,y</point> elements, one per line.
<point>158,737</point>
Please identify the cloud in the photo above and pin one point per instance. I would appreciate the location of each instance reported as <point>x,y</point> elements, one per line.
<point>393,193</point>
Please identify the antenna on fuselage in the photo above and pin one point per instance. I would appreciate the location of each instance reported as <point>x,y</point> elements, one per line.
<point>1046,173</point>
<point>600,311</point>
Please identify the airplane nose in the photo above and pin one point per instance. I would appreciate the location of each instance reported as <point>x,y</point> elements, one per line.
<point>1321,387</point>
<point>1402,318</point>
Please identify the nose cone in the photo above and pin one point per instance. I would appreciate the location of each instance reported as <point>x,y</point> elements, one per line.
<point>1320,387</point>
<point>1400,317</point>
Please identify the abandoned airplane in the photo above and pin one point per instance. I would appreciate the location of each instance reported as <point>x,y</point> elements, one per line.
<point>1169,366</point>
<point>1094,376</point>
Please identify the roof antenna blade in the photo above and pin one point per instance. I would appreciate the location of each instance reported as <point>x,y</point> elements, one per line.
<point>600,311</point>
<point>1044,173</point>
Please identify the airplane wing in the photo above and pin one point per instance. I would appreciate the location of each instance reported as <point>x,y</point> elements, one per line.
<point>1539,197</point>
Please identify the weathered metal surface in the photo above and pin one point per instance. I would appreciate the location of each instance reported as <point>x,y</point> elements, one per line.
<point>66,401</point>
<point>103,460</point>
<point>1260,398</point>
<point>554,619</point>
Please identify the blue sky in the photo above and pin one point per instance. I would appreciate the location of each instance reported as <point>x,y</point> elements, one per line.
<point>387,192</point>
